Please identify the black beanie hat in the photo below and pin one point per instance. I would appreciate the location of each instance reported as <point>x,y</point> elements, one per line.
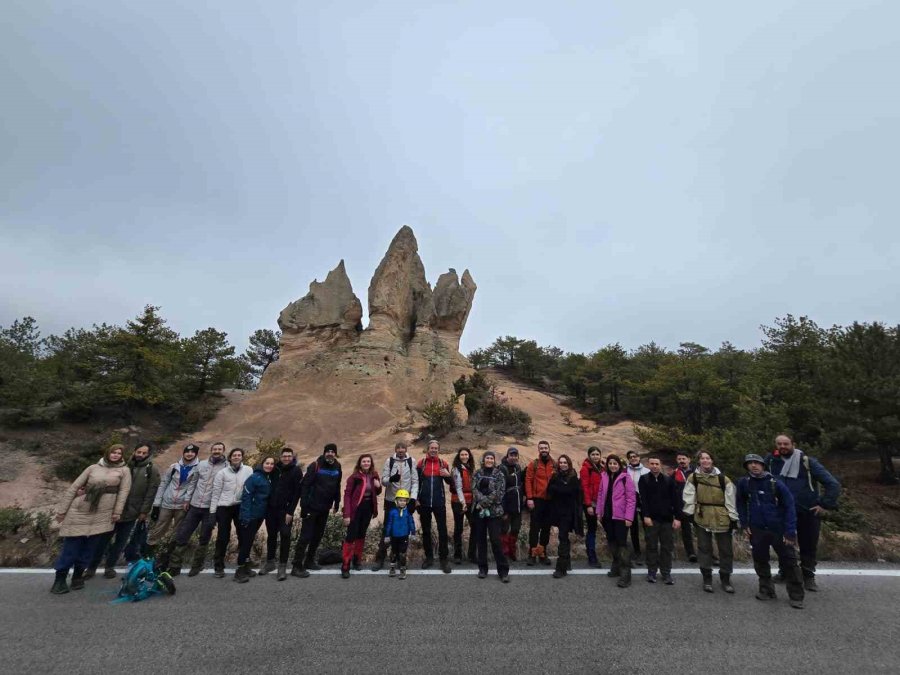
<point>331,447</point>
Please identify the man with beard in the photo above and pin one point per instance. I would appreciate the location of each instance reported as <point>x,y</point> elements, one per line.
<point>320,492</point>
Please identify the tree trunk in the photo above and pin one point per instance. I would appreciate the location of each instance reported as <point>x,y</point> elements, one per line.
<point>888,474</point>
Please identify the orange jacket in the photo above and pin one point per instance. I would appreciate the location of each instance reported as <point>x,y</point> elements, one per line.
<point>537,477</point>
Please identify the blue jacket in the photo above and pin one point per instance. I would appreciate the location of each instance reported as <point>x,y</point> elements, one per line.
<point>764,503</point>
<point>399,523</point>
<point>255,496</point>
<point>805,488</point>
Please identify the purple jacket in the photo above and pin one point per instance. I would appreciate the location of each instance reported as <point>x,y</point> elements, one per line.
<point>623,498</point>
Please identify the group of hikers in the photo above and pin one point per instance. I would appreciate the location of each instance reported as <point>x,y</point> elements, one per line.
<point>777,505</point>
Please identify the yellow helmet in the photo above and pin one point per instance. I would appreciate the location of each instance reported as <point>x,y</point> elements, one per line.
<point>402,494</point>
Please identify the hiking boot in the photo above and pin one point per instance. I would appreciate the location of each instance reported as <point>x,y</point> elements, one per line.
<point>59,584</point>
<point>532,561</point>
<point>269,566</point>
<point>345,574</point>
<point>766,594</point>
<point>393,570</point>
<point>241,574</point>
<point>282,571</point>
<point>668,579</point>
<point>558,573</point>
<point>174,571</point>
<point>250,571</point>
<point>312,565</point>
<point>725,581</point>
<point>109,573</point>
<point>445,566</point>
<point>692,558</point>
<point>797,604</point>
<point>624,580</point>
<point>195,570</point>
<point>707,580</point>
<point>219,573</point>
<point>89,573</point>
<point>428,562</point>
<point>402,574</point>
<point>482,574</point>
<point>77,582</point>
<point>299,571</point>
<point>651,577</point>
<point>504,578</point>
<point>809,584</point>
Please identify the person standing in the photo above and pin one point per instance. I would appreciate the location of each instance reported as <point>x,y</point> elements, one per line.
<point>254,502</point>
<point>803,475</point>
<point>433,475</point>
<point>615,508</point>
<point>198,514</point>
<point>537,478</point>
<point>144,483</point>
<point>564,491</point>
<point>398,473</point>
<point>225,504</point>
<point>709,496</point>
<point>360,506</point>
<point>320,493</point>
<point>768,516</point>
<point>683,470</point>
<point>591,469</point>
<point>85,518</point>
<point>513,503</point>
<point>635,470</point>
<point>662,516</point>
<point>488,490</point>
<point>173,499</point>
<point>399,527</point>
<point>286,481</point>
<point>461,503</point>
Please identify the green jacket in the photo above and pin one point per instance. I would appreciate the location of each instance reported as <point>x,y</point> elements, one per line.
<point>144,483</point>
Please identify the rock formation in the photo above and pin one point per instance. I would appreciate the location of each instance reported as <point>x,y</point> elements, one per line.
<point>335,380</point>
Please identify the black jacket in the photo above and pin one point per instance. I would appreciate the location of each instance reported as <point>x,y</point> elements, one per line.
<point>320,489</point>
<point>659,497</point>
<point>565,498</point>
<point>285,493</point>
<point>515,487</point>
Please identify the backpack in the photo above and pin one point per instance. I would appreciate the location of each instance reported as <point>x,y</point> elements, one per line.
<point>409,463</point>
<point>721,486</point>
<point>813,483</point>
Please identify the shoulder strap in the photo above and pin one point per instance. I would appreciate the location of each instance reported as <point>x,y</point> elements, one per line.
<point>391,464</point>
<point>809,476</point>
<point>722,482</point>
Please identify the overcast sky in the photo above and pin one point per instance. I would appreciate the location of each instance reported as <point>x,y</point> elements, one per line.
<point>608,171</point>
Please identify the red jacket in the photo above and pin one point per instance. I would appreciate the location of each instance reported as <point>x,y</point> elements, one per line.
<point>590,482</point>
<point>355,491</point>
<point>537,478</point>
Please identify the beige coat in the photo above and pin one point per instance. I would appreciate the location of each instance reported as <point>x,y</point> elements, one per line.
<point>79,520</point>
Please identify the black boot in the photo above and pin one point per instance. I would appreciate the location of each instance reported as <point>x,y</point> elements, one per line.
<point>766,587</point>
<point>614,568</point>
<point>89,572</point>
<point>59,584</point>
<point>561,568</point>
<point>242,573</point>
<point>725,581</point>
<point>707,580</point>
<point>625,564</point>
<point>282,571</point>
<point>198,562</point>
<point>299,570</point>
<point>310,562</point>
<point>269,566</point>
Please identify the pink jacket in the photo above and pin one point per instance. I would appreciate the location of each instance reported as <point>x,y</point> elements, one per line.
<point>623,497</point>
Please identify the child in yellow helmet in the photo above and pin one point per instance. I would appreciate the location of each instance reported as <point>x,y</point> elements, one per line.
<point>400,525</point>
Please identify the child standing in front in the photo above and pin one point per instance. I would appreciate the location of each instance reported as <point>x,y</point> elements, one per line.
<point>400,525</point>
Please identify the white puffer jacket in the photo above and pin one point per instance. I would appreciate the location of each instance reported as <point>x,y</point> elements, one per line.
<point>228,485</point>
<point>204,475</point>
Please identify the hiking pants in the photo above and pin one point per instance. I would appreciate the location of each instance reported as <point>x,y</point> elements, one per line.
<point>225,517</point>
<point>398,551</point>
<point>760,542</point>
<point>76,552</point>
<point>196,517</point>
<point>137,544</point>
<point>489,528</point>
<point>808,528</point>
<point>312,529</point>
<point>616,532</point>
<point>564,547</point>
<point>705,550</point>
<point>590,539</point>
<point>539,528</point>
<point>511,524</point>
<point>168,518</point>
<point>461,513</point>
<point>246,536</point>
<point>687,536</point>
<point>112,544</point>
<point>360,522</point>
<point>660,541</point>
<point>635,533</point>
<point>278,531</point>
<point>440,516</point>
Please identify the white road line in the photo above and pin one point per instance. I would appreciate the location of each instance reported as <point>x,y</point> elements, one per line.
<point>545,572</point>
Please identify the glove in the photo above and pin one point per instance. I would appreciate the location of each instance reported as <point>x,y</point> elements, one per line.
<point>411,506</point>
<point>395,478</point>
<point>154,514</point>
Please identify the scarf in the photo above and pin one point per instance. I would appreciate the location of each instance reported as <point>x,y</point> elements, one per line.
<point>791,466</point>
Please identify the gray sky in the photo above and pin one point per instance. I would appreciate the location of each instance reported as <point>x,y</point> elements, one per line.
<point>607,171</point>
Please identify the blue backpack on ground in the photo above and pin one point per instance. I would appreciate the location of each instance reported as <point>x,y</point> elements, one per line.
<point>143,580</point>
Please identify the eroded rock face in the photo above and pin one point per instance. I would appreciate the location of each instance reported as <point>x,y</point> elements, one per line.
<point>453,301</point>
<point>329,304</point>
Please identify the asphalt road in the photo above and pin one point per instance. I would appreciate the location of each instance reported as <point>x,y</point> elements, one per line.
<point>446,624</point>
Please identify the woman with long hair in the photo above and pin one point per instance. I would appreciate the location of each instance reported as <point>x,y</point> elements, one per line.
<point>461,502</point>
<point>488,489</point>
<point>564,491</point>
<point>592,469</point>
<point>360,506</point>
<point>254,501</point>
<point>709,496</point>
<point>90,507</point>
<point>615,508</point>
